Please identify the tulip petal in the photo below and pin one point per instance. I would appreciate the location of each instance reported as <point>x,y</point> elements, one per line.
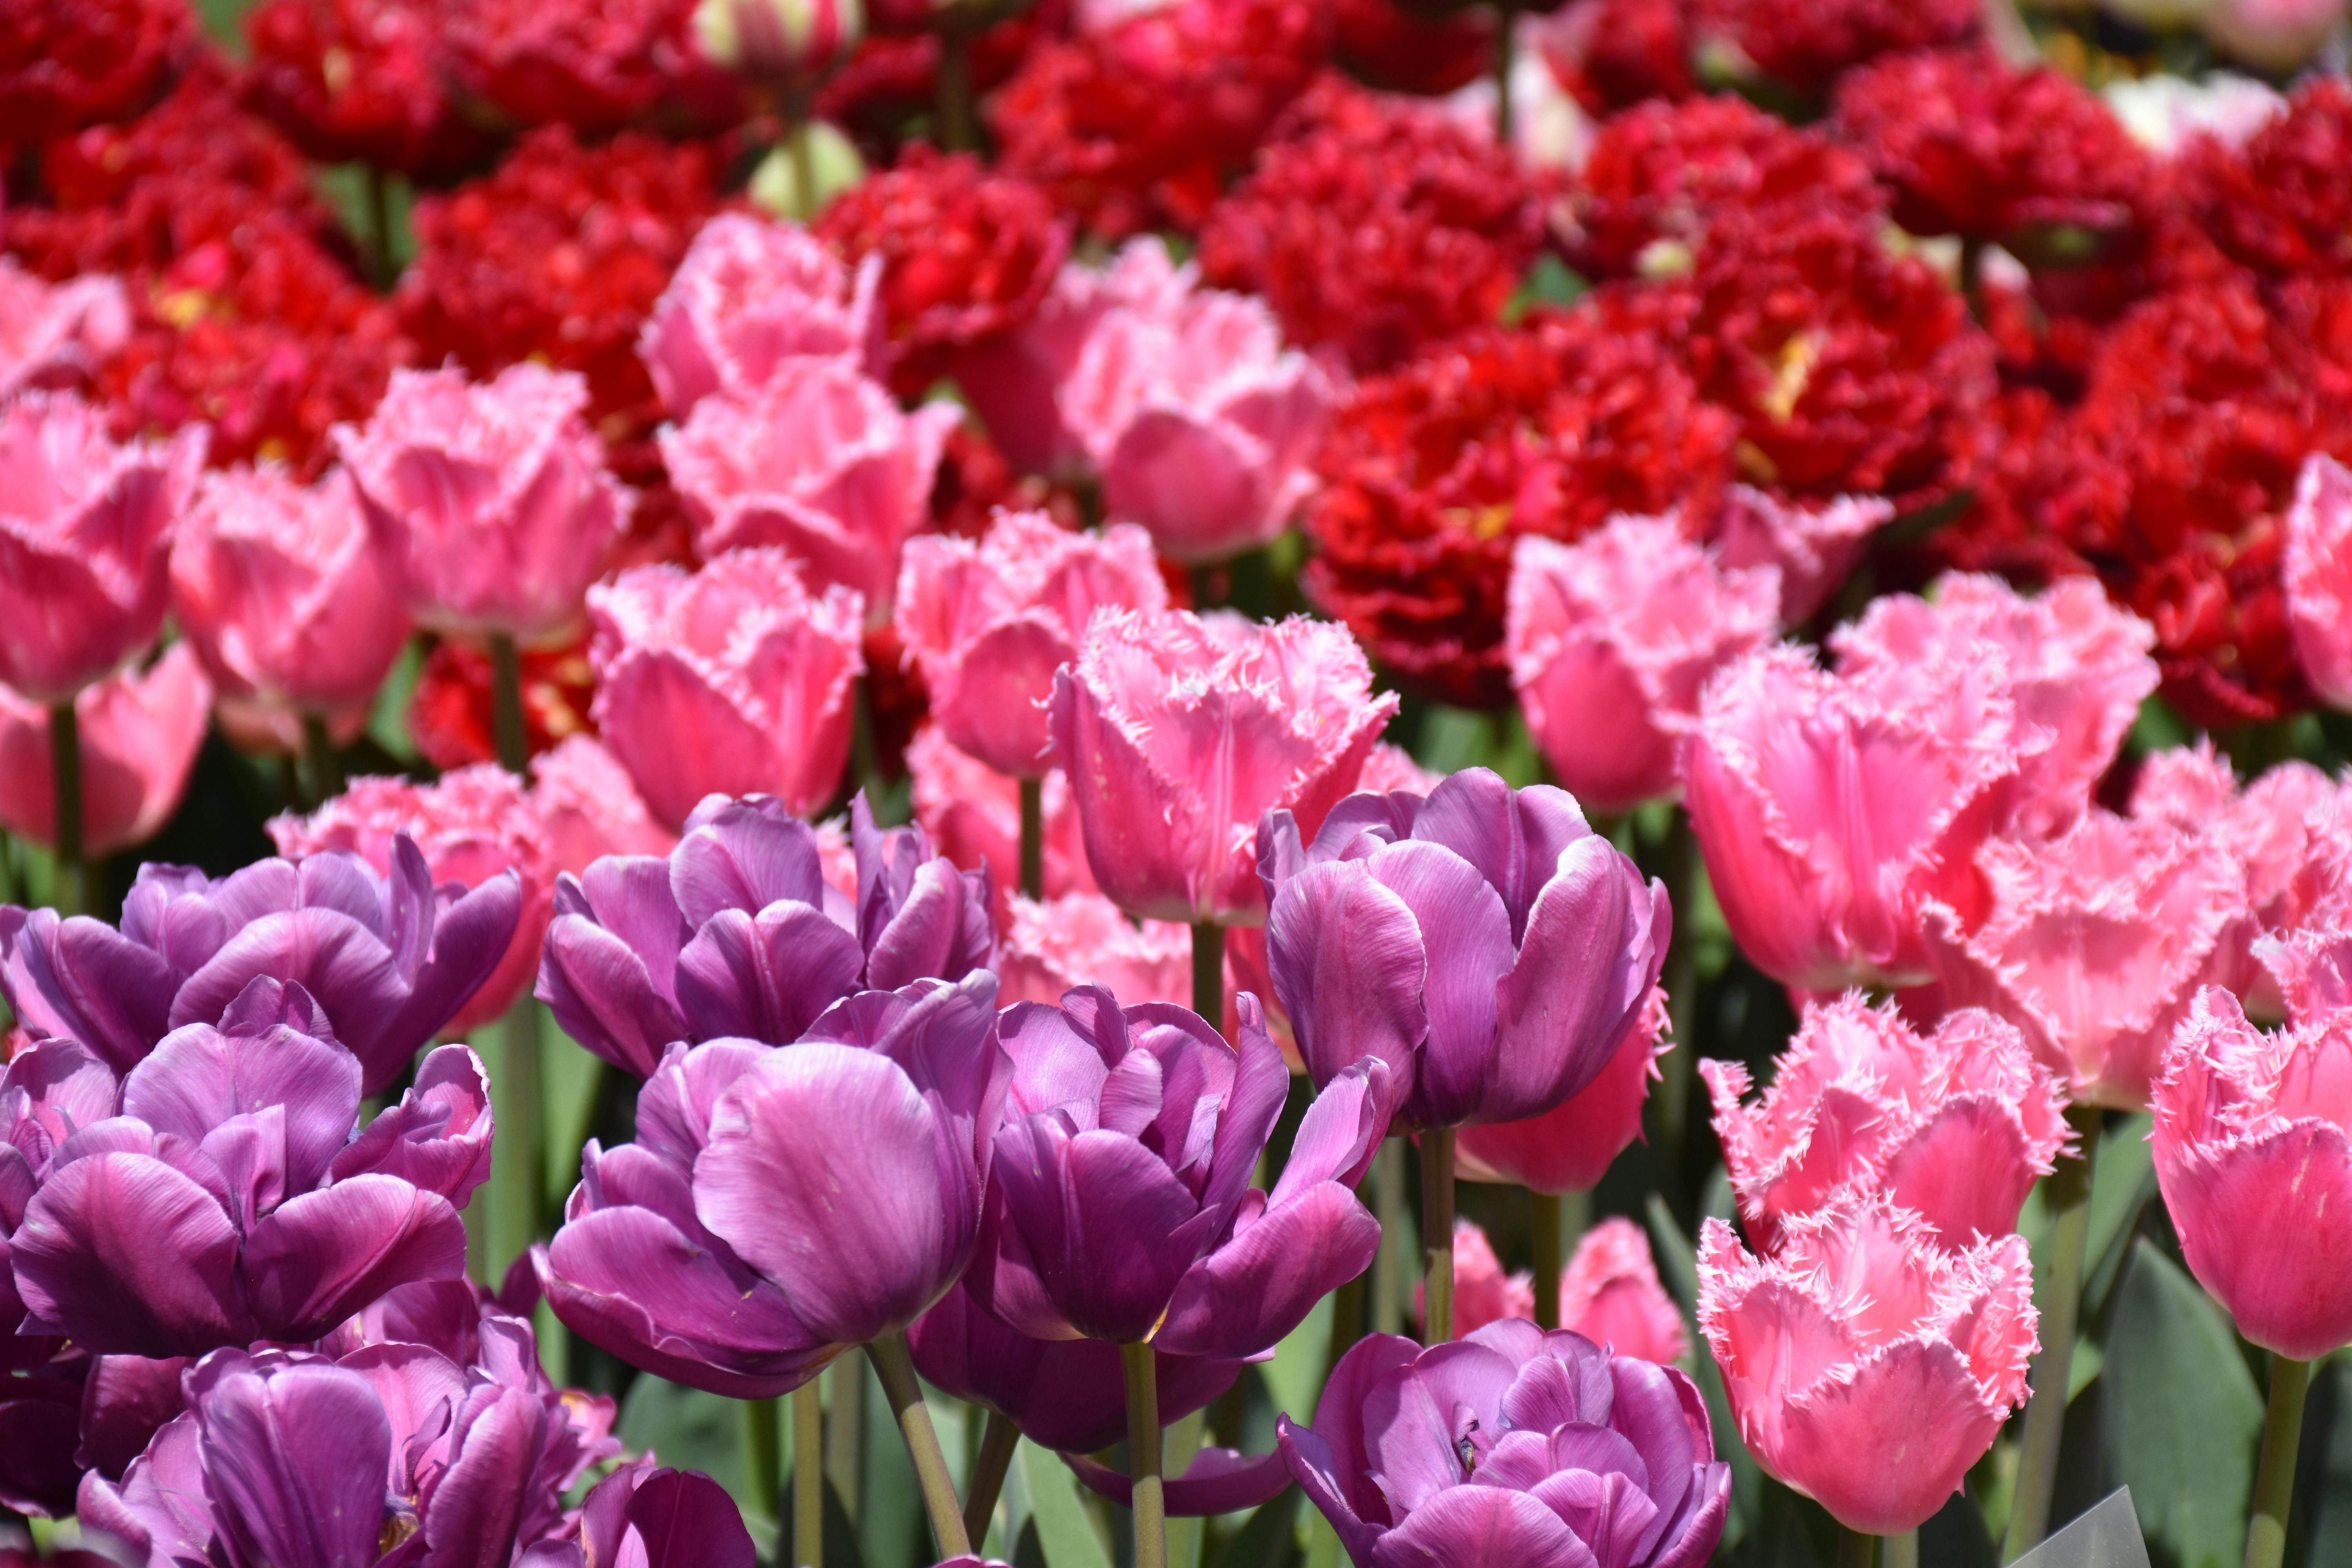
<point>295,1462</point>
<point>1250,1292</point>
<point>1348,963</point>
<point>1466,936</point>
<point>199,1077</point>
<point>683,1520</point>
<point>1340,1132</point>
<point>1882,1449</point>
<point>324,1255</point>
<point>2265,1224</point>
<point>1319,1476</point>
<point>765,977</point>
<point>1479,1527</point>
<point>1967,1171</point>
<point>744,858</point>
<point>604,995</point>
<point>1111,1227</point>
<point>1581,977</point>
<point>486,1494</point>
<point>81,979</point>
<point>131,1257</point>
<point>1218,1481</point>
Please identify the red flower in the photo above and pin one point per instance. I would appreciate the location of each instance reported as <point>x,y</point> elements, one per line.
<point>891,77</point>
<point>65,65</point>
<point>593,65</point>
<point>975,480</point>
<point>357,80</point>
<point>1803,45</point>
<point>1407,51</point>
<point>450,716</point>
<point>1383,229</point>
<point>1613,54</point>
<point>2282,205</point>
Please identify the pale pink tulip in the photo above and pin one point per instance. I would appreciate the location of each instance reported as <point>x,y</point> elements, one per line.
<point>2318,574</point>
<point>1082,938</point>
<point>1814,544</point>
<point>490,498</point>
<point>1568,1149</point>
<point>1180,731</point>
<point>2279,830</point>
<point>85,542</point>
<point>1954,1125</point>
<point>752,296</point>
<point>818,462</point>
<point>139,731</point>
<point>735,680</point>
<point>973,813</point>
<point>1610,1293</point>
<point>1610,640</point>
<point>2274,35</point>
<point>55,334</point>
<point>1483,1293</point>
<point>589,807</point>
<point>988,622</point>
<point>1868,1367</point>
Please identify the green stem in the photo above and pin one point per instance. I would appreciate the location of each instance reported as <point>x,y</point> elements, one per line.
<point>808,1476</point>
<point>844,1433</point>
<point>508,730</point>
<point>325,770</point>
<point>800,146</point>
<point>959,130</point>
<point>1437,1234</point>
<point>764,1441</point>
<point>1387,1280</point>
<point>862,749</point>
<point>1680,978</point>
<point>1143,1457</point>
<point>988,1471</point>
<point>2045,1416</point>
<point>1856,1550</point>
<point>1901,1550</point>
<point>897,1370</point>
<point>1032,838</point>
<point>72,894</point>
<point>1208,972</point>
<point>2274,1474</point>
<point>1548,1237</point>
<point>379,200</point>
<point>518,1162</point>
<point>1505,16</point>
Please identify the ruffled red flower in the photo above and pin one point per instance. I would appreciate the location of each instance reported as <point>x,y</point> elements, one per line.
<point>65,65</point>
<point>1432,471</point>
<point>1613,54</point>
<point>357,80</point>
<point>975,480</point>
<point>450,714</point>
<point>2282,205</point>
<point>593,65</point>
<point>890,76</point>
<point>1386,227</point>
<point>1805,45</point>
<point>1405,51</point>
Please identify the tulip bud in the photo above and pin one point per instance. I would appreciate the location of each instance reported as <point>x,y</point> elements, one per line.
<point>797,179</point>
<point>780,41</point>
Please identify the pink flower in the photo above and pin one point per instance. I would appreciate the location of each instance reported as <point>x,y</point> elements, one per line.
<point>734,680</point>
<point>55,334</point>
<point>1569,1149</point>
<point>1180,731</point>
<point>973,813</point>
<point>85,542</point>
<point>1867,1366</point>
<point>139,731</point>
<point>2276,36</point>
<point>1814,544</point>
<point>491,499</point>
<point>1483,1293</point>
<point>470,825</point>
<point>2251,1153</point>
<point>1610,1293</point>
<point>2319,574</point>
<point>750,297</point>
<point>1610,640</point>
<point>1954,1125</point>
<point>1082,938</point>
<point>2077,669</point>
<point>988,622</point>
<point>282,591</point>
<point>589,807</point>
<point>818,462</point>
<point>1828,810</point>
<point>1391,768</point>
<point>2276,828</point>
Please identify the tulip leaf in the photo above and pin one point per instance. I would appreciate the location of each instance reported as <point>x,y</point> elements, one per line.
<point>1295,1376</point>
<point>2323,1487</point>
<point>1678,1269</point>
<point>687,1428</point>
<point>1064,1530</point>
<point>1270,1539</point>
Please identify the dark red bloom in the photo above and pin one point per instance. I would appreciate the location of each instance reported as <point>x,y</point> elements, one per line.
<point>1805,45</point>
<point>975,479</point>
<point>1383,227</point>
<point>450,714</point>
<point>2281,204</point>
<point>593,65</point>
<point>891,78</point>
<point>65,64</point>
<point>1613,54</point>
<point>1408,51</point>
<point>359,80</point>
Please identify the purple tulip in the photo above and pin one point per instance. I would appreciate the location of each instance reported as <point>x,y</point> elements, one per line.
<point>50,1089</point>
<point>40,1412</point>
<point>1513,1446</point>
<point>1121,1207</point>
<point>227,1200</point>
<point>389,959</point>
<point>737,935</point>
<point>781,1204</point>
<point>1484,942</point>
<point>648,1518</point>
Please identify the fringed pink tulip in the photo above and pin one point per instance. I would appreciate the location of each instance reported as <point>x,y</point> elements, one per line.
<point>1814,545</point>
<point>973,814</point>
<point>818,462</point>
<point>1610,640</point>
<point>735,680</point>
<point>1610,1293</point>
<point>1569,1149</point>
<point>85,542</point>
<point>2276,828</point>
<point>139,731</point>
<point>55,334</point>
<point>749,296</point>
<point>490,498</point>
<point>588,807</point>
<point>2319,576</point>
<point>1081,938</point>
<point>1483,1293</point>
<point>988,622</point>
<point>1953,1125</point>
<point>1868,1367</point>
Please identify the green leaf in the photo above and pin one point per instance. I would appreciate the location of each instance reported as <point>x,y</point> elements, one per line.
<point>388,720</point>
<point>689,1429</point>
<point>2122,1184</point>
<point>1295,1376</point>
<point>1270,1539</point>
<point>1678,1268</point>
<point>1064,1530</point>
<point>568,1076</point>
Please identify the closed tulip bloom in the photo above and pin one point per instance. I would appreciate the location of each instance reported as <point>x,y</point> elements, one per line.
<point>819,461</point>
<point>1513,1445</point>
<point>49,1091</point>
<point>650,1517</point>
<point>85,542</point>
<point>2319,574</point>
<point>1180,731</point>
<point>749,296</point>
<point>139,729</point>
<point>490,498</point>
<point>2252,1155</point>
<point>1570,1147</point>
<point>229,1202</point>
<point>732,679</point>
<point>1120,1207</point>
<point>1868,1366</point>
<point>1610,1293</point>
<point>1485,943</point>
<point>777,42</point>
<point>1483,1293</point>
<point>1813,544</point>
<point>973,814</point>
<point>989,621</point>
<point>1610,640</point>
<point>1082,938</point>
<point>388,957</point>
<point>783,1205</point>
<point>55,334</point>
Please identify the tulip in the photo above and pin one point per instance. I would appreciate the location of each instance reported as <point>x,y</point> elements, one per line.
<point>1483,1293</point>
<point>490,498</point>
<point>38,1415</point>
<point>734,680</point>
<point>738,932</point>
<point>1081,938</point>
<point>2274,36</point>
<point>589,807</point>
<point>1610,640</point>
<point>1570,1147</point>
<point>1814,545</point>
<point>750,297</point>
<point>138,732</point>
<point>1868,1366</point>
<point>974,814</point>
<point>55,334</point>
<point>1611,1296</point>
<point>228,1202</point>
<point>51,1088</point>
<point>2318,572</point>
<point>819,461</point>
<point>658,1518</point>
<point>1955,1126</point>
<point>1514,1444</point>
<point>779,43</point>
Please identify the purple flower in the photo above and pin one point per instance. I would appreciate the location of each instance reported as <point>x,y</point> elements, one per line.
<point>1484,942</point>
<point>1120,1207</point>
<point>737,933</point>
<point>1514,1446</point>
<point>781,1204</point>
<point>651,1518</point>
<point>40,1413</point>
<point>225,1200</point>
<point>389,959</point>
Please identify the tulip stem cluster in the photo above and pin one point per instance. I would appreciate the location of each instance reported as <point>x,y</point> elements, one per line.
<point>2069,1191</point>
<point>808,1476</point>
<point>2274,1473</point>
<point>998,1442</point>
<point>65,770</point>
<point>895,1366</point>
<point>1032,838</point>
<point>507,732</point>
<point>1437,1234</point>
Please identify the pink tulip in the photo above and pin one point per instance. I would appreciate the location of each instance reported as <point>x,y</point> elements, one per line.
<point>2276,36</point>
<point>989,622</point>
<point>1568,1149</point>
<point>734,680</point>
<point>1483,1293</point>
<point>1081,938</point>
<point>1388,768</point>
<point>140,732</point>
<point>55,334</point>
<point>2319,574</point>
<point>1610,640</point>
<point>1814,545</point>
<point>819,461</point>
<point>973,815</point>
<point>281,589</point>
<point>589,807</point>
<point>2277,829</point>
<point>85,542</point>
<point>2252,1155</point>
<point>490,498</point>
<point>1868,1367</point>
<point>1829,811</point>
<point>1180,731</point>
<point>1954,1125</point>
<point>1609,1294</point>
<point>752,296</point>
<point>2076,669</point>
<point>470,825</point>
